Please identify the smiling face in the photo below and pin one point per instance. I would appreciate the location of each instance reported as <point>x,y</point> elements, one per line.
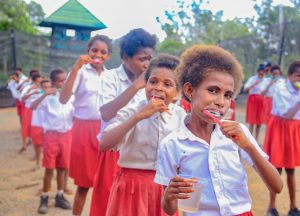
<point>59,80</point>
<point>99,52</point>
<point>161,85</point>
<point>214,94</point>
<point>295,77</point>
<point>139,62</point>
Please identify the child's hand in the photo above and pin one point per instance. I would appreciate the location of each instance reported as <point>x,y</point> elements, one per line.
<point>153,106</point>
<point>82,60</point>
<point>233,130</point>
<point>51,91</point>
<point>179,188</point>
<point>140,83</point>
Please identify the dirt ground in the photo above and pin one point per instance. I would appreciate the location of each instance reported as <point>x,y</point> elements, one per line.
<point>19,182</point>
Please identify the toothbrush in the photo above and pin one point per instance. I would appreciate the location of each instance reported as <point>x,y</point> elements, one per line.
<point>217,121</point>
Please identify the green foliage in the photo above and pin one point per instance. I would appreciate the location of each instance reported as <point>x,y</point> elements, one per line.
<point>16,14</point>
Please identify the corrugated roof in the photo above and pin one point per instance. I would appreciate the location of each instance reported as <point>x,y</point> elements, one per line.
<point>73,15</point>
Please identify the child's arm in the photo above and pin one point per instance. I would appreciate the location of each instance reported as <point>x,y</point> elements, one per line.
<point>292,111</point>
<point>265,169</point>
<point>112,137</point>
<point>178,188</point>
<point>109,110</point>
<point>35,103</point>
<point>246,90</point>
<point>26,96</point>
<point>66,91</point>
<point>264,92</point>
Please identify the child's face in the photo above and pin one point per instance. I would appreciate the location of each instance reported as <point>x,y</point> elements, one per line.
<point>99,50</point>
<point>139,63</point>
<point>60,80</point>
<point>161,85</point>
<point>46,86</point>
<point>260,74</point>
<point>214,94</point>
<point>38,81</point>
<point>295,77</point>
<point>275,73</point>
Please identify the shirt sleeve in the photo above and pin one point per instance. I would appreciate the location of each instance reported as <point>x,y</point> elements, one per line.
<point>244,155</point>
<point>249,82</point>
<point>166,167</point>
<point>108,88</point>
<point>77,80</point>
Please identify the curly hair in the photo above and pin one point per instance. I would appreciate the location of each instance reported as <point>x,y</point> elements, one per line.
<point>199,60</point>
<point>54,73</point>
<point>275,67</point>
<point>293,67</point>
<point>134,41</point>
<point>102,38</point>
<point>163,60</point>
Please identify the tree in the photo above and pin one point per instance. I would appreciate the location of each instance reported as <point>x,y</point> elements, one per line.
<point>16,14</point>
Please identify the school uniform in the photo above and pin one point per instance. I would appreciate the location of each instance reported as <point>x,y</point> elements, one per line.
<point>217,166</point>
<point>85,147</point>
<point>267,103</point>
<point>133,191</point>
<point>37,132</point>
<point>57,125</point>
<point>255,101</point>
<point>26,111</point>
<point>12,86</point>
<point>114,83</point>
<point>282,140</point>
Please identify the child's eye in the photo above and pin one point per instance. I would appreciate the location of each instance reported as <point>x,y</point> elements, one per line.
<point>212,90</point>
<point>152,81</point>
<point>168,84</point>
<point>229,95</point>
<point>104,52</point>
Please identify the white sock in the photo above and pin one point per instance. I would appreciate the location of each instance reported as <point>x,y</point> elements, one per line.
<point>60,192</point>
<point>44,194</point>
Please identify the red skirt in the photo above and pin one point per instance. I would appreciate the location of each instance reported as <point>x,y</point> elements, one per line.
<point>267,108</point>
<point>37,135</point>
<point>26,122</point>
<point>104,178</point>
<point>135,193</point>
<point>185,105</point>
<point>19,108</point>
<point>84,152</point>
<point>282,142</point>
<point>254,109</point>
<point>246,214</point>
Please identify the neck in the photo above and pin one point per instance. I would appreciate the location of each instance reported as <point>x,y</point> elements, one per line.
<point>199,127</point>
<point>129,73</point>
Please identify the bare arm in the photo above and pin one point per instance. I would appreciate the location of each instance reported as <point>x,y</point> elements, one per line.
<point>246,90</point>
<point>114,136</point>
<point>26,96</point>
<point>35,103</point>
<point>109,110</point>
<point>292,111</point>
<point>265,169</point>
<point>66,91</point>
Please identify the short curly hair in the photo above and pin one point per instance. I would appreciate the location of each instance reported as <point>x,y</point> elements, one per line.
<point>199,60</point>
<point>293,67</point>
<point>134,41</point>
<point>102,38</point>
<point>163,60</point>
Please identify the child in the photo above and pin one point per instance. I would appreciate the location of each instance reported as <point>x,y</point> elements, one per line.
<point>255,100</point>
<point>282,141</point>
<point>210,77</point>
<point>37,133</point>
<point>27,92</point>
<point>57,124</point>
<point>119,87</point>
<point>270,84</point>
<point>12,84</point>
<point>137,131</point>
<point>83,82</point>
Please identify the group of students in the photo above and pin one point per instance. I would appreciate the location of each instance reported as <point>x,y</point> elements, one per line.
<point>122,132</point>
<point>275,101</point>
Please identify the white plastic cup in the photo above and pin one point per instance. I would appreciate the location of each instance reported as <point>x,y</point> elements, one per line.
<point>191,204</point>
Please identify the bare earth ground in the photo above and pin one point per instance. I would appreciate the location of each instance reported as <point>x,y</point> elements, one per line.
<point>19,183</point>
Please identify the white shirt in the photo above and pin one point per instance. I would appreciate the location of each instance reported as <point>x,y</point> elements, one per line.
<point>12,86</point>
<point>56,116</point>
<point>138,149</point>
<point>285,97</point>
<point>257,89</point>
<point>86,92</point>
<point>37,114</point>
<point>271,90</point>
<point>114,83</point>
<point>25,91</point>
<point>217,165</point>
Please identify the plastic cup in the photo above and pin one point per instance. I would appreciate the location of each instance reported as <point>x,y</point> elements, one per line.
<point>191,204</point>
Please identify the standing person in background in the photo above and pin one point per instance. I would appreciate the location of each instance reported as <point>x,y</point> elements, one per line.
<point>119,87</point>
<point>255,101</point>
<point>270,83</point>
<point>12,84</point>
<point>282,141</point>
<point>83,82</point>
<point>57,125</point>
<point>27,92</point>
<point>37,132</point>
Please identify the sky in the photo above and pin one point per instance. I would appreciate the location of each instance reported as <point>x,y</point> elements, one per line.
<point>120,16</point>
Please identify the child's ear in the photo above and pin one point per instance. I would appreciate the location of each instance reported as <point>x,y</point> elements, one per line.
<point>188,89</point>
